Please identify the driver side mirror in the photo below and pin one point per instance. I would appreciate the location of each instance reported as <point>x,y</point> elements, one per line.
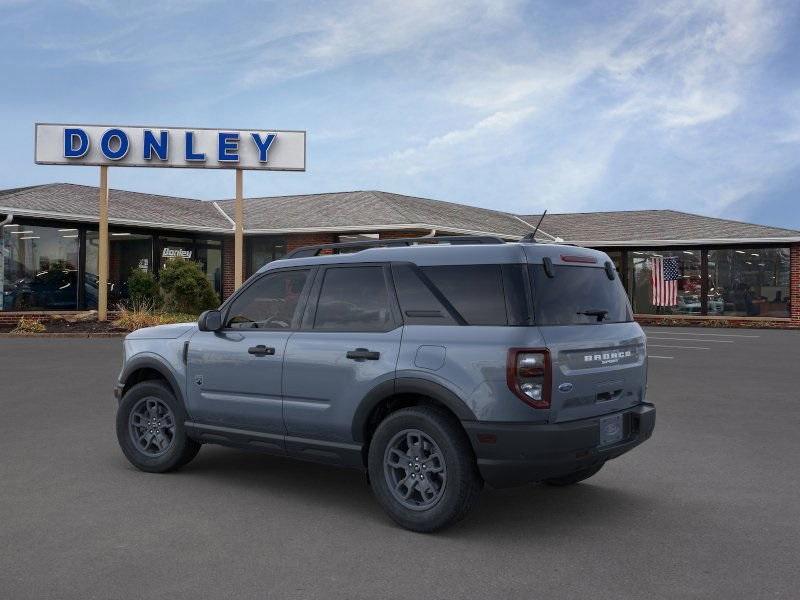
<point>210,320</point>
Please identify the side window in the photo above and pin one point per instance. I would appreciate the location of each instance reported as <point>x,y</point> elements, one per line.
<point>269,303</point>
<point>475,291</point>
<point>419,305</point>
<point>353,299</point>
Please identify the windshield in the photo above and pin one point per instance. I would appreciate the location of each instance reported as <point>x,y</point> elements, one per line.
<point>578,296</point>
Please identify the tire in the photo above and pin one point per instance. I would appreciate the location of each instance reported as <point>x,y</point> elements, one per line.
<point>453,483</point>
<point>167,450</point>
<point>575,477</point>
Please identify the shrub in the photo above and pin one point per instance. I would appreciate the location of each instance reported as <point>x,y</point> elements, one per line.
<point>28,325</point>
<point>185,288</point>
<point>143,289</point>
<point>139,315</point>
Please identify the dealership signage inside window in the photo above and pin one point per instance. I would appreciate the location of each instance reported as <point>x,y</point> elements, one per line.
<point>60,144</point>
<point>176,253</point>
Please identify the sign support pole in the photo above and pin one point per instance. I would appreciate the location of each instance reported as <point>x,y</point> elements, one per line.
<point>102,258</point>
<point>238,254</point>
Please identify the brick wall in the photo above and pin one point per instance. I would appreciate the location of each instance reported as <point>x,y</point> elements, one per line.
<point>13,317</point>
<point>228,266</point>
<point>293,242</point>
<point>794,283</point>
<point>391,235</point>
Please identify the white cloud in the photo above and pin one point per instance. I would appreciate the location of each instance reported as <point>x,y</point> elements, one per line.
<point>347,32</point>
<point>478,142</point>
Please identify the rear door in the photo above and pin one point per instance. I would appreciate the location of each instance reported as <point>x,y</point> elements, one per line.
<point>597,351</point>
<point>348,344</point>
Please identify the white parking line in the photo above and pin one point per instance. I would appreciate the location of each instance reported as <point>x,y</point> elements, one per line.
<point>736,335</point>
<point>672,339</point>
<point>689,347</point>
<point>654,356</point>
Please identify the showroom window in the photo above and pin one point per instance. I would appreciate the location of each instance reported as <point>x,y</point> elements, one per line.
<point>209,255</point>
<point>666,281</point>
<point>128,252</point>
<point>749,282</point>
<point>261,250</point>
<point>39,268</point>
<point>206,252</point>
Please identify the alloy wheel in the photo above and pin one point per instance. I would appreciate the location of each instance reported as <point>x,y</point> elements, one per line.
<point>415,470</point>
<point>152,426</point>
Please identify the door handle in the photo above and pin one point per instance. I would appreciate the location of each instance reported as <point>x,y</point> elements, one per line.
<point>261,350</point>
<point>363,354</point>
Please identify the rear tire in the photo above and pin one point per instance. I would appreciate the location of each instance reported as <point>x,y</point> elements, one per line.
<point>575,477</point>
<point>411,444</point>
<point>150,428</point>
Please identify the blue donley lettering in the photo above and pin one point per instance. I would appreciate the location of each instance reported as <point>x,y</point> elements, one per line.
<point>115,144</point>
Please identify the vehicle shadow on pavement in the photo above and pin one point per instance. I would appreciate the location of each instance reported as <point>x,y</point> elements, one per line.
<point>514,511</point>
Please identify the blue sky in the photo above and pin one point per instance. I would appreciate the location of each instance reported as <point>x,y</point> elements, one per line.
<point>565,105</point>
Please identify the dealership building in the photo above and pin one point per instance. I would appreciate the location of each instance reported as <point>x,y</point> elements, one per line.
<point>726,270</point>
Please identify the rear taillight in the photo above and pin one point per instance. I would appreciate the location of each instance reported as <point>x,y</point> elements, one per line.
<point>528,375</point>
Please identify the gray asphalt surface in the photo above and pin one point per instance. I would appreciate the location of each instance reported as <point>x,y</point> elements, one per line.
<point>708,508</point>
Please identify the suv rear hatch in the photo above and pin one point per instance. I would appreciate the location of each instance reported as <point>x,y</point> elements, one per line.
<point>597,351</point>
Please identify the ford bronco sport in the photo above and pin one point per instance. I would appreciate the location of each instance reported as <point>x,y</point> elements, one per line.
<point>434,364</point>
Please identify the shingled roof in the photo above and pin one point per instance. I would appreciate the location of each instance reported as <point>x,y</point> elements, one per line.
<point>366,210</point>
<point>79,203</point>
<point>626,228</point>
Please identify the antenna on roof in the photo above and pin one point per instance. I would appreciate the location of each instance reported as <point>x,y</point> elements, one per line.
<point>531,237</point>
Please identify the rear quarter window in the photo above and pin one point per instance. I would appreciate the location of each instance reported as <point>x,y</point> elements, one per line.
<point>475,291</point>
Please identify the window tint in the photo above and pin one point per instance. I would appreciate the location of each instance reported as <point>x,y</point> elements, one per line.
<point>353,299</point>
<point>475,291</point>
<point>418,304</point>
<point>269,303</point>
<point>566,298</point>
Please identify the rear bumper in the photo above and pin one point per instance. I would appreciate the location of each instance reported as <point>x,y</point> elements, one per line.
<point>525,452</point>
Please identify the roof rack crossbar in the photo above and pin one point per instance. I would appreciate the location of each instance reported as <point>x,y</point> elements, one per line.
<point>307,251</point>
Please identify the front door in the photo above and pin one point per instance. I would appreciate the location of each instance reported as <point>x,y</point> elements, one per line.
<point>234,375</point>
<point>348,345</point>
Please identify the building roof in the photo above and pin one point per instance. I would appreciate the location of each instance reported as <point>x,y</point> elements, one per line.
<point>72,202</point>
<point>372,210</point>
<point>659,227</point>
<point>366,211</point>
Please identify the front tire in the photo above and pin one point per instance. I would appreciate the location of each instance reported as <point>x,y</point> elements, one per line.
<point>150,429</point>
<point>422,469</point>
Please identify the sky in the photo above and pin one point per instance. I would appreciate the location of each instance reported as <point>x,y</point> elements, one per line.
<point>562,105</point>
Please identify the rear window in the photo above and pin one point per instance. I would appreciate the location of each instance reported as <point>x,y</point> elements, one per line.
<point>578,296</point>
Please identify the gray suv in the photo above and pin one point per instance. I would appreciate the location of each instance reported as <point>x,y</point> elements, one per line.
<point>435,365</point>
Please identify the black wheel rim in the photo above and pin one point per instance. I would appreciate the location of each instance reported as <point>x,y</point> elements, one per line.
<point>152,426</point>
<point>415,470</point>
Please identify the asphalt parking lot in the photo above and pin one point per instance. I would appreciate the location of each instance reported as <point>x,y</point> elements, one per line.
<point>708,508</point>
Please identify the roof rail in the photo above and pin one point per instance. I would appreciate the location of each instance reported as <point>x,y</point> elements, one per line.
<point>307,251</point>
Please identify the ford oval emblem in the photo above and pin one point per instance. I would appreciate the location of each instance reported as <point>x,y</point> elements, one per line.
<point>565,387</point>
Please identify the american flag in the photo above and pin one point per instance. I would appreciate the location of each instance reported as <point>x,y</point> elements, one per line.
<point>664,279</point>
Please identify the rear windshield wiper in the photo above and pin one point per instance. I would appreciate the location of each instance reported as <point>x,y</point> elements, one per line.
<point>599,313</point>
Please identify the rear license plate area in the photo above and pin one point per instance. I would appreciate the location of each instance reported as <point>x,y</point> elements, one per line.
<point>611,430</point>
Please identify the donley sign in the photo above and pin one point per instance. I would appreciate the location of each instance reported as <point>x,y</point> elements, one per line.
<point>178,147</point>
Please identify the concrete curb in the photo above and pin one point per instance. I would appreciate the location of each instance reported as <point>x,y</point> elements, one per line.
<point>64,335</point>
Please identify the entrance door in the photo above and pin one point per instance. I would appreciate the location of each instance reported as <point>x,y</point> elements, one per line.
<point>234,375</point>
